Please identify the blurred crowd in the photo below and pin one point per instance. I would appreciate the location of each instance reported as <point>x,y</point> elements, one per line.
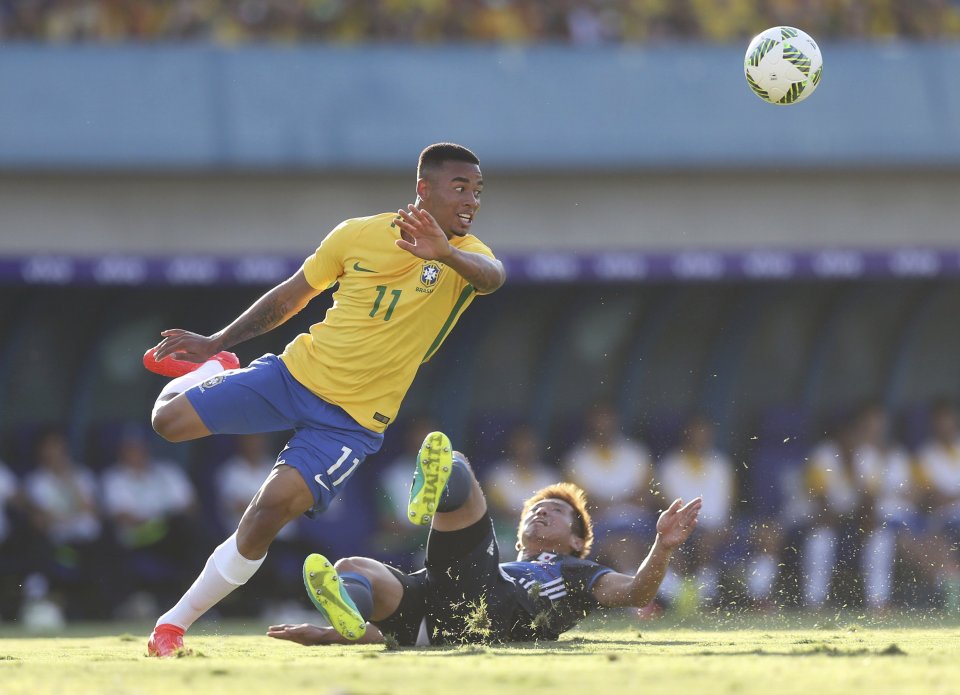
<point>498,21</point>
<point>852,519</point>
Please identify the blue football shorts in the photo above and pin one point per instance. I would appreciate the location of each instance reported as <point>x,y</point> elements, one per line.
<point>327,446</point>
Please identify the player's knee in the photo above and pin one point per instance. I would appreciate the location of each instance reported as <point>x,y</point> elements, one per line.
<point>176,421</point>
<point>265,517</point>
<point>350,564</point>
<point>386,587</point>
<point>461,458</point>
<point>471,477</point>
<point>166,423</point>
<point>461,487</point>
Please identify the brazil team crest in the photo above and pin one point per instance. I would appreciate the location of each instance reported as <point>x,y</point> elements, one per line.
<point>430,274</point>
<point>211,382</point>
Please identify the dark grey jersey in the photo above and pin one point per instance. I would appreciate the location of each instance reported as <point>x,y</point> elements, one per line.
<point>554,591</point>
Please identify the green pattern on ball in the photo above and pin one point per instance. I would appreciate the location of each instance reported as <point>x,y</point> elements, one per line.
<point>789,33</point>
<point>815,80</point>
<point>762,93</point>
<point>796,89</point>
<point>793,54</point>
<point>761,50</point>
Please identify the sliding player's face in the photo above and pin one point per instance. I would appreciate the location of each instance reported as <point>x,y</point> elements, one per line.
<point>548,527</point>
<point>451,193</point>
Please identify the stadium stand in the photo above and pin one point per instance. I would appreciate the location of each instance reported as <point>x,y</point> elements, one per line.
<point>767,433</point>
<point>578,22</point>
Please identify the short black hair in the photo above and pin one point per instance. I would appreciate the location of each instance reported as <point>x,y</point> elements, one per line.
<point>437,154</point>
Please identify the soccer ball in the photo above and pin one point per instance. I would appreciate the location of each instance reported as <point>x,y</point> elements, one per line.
<point>783,65</point>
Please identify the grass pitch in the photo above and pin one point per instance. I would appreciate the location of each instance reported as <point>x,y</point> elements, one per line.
<point>757,656</point>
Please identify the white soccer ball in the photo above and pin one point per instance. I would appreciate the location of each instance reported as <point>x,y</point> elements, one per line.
<point>783,65</point>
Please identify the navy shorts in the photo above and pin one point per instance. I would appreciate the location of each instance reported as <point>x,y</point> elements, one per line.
<point>327,446</point>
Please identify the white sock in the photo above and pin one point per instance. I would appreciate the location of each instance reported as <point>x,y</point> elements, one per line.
<point>879,552</point>
<point>197,376</point>
<point>818,557</point>
<point>762,573</point>
<point>226,569</point>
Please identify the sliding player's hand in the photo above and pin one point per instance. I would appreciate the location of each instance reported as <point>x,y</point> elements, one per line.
<point>421,235</point>
<point>184,345</point>
<point>305,634</point>
<point>677,522</point>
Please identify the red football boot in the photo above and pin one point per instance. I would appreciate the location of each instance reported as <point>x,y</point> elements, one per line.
<point>170,367</point>
<point>166,640</point>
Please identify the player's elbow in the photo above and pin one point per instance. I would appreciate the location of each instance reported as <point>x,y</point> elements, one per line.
<point>639,599</point>
<point>494,282</point>
<point>637,594</point>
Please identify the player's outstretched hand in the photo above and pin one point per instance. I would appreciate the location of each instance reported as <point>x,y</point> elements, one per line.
<point>677,522</point>
<point>305,634</point>
<point>421,235</point>
<point>184,345</point>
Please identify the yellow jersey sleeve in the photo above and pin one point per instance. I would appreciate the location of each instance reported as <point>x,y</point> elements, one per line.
<point>325,267</point>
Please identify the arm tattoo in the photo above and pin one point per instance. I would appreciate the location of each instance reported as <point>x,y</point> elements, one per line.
<point>265,314</point>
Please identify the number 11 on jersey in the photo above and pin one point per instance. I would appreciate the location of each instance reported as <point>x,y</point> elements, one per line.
<point>381,292</point>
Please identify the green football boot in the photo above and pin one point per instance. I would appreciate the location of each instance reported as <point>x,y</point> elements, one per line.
<point>434,463</point>
<point>330,597</point>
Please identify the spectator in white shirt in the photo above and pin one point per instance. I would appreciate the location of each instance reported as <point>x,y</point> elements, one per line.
<point>153,509</point>
<point>886,474</point>
<point>512,480</point>
<point>142,496</point>
<point>696,468</point>
<point>62,500</point>
<point>616,473</point>
<point>864,512</point>
<point>938,471</point>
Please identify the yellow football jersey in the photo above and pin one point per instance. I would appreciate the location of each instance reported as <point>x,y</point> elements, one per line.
<point>390,313</point>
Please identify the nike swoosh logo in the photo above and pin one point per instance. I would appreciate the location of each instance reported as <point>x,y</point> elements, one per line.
<point>356,266</point>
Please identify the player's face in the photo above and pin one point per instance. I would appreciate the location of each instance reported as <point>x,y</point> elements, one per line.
<point>451,193</point>
<point>548,527</point>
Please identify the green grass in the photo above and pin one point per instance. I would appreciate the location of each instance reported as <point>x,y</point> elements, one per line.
<point>731,655</point>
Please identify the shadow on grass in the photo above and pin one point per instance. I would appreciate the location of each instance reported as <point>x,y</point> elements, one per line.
<point>783,620</point>
<point>584,646</point>
<point>817,650</point>
<point>578,646</point>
